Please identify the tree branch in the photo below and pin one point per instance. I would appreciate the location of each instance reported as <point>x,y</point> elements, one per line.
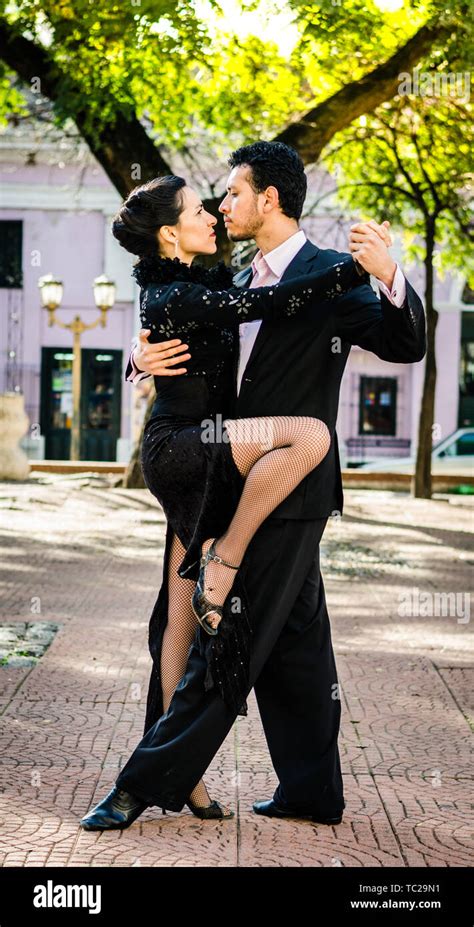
<point>381,186</point>
<point>116,145</point>
<point>316,128</point>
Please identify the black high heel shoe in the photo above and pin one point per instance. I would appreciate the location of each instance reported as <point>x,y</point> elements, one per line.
<point>214,810</point>
<point>208,812</point>
<point>200,604</point>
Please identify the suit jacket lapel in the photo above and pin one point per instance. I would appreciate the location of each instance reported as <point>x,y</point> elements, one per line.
<point>301,264</point>
<point>298,267</point>
<point>242,279</point>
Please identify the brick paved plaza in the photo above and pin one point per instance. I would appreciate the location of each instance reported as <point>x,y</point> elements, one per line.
<point>84,557</point>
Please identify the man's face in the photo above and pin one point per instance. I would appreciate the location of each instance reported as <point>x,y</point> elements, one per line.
<point>241,207</point>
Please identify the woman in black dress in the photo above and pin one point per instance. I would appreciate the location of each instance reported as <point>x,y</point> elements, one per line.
<point>216,478</point>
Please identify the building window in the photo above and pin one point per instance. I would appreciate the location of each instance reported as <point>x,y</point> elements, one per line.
<point>378,406</point>
<point>11,238</point>
<point>466,371</point>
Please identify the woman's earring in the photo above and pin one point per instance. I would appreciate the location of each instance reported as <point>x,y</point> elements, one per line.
<point>176,246</point>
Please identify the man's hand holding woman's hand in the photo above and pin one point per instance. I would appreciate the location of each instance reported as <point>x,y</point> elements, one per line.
<point>369,243</point>
<point>160,359</point>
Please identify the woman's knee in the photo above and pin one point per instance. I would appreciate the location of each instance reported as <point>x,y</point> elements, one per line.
<point>322,439</point>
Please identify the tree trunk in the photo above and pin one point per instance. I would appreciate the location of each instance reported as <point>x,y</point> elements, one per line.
<point>123,143</point>
<point>122,146</point>
<point>133,476</point>
<point>422,481</point>
<point>310,133</point>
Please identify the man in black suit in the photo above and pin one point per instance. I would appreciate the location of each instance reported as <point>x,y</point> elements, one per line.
<point>283,369</point>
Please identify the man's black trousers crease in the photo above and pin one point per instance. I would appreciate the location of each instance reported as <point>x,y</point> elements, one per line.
<point>292,670</point>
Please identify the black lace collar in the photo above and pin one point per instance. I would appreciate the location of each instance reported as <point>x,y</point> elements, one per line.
<point>156,269</point>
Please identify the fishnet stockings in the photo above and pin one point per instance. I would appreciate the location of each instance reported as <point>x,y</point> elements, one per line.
<point>274,454</point>
<point>177,639</point>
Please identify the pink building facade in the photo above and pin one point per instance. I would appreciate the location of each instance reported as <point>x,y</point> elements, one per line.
<point>59,216</point>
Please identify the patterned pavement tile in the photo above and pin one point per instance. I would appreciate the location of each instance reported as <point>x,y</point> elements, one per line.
<point>88,559</point>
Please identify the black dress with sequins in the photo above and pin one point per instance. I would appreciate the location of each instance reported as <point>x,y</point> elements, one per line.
<point>186,456</point>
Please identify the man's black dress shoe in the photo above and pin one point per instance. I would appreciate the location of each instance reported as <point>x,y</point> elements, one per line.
<point>272,810</point>
<point>116,811</point>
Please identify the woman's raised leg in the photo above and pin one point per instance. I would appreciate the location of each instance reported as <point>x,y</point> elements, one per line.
<point>177,639</point>
<point>274,453</point>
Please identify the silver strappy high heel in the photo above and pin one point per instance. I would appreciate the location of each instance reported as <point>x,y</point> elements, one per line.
<point>202,607</point>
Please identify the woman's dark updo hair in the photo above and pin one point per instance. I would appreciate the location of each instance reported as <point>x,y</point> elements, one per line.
<point>156,203</point>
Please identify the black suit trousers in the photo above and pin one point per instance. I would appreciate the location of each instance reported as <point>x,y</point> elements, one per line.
<point>292,670</point>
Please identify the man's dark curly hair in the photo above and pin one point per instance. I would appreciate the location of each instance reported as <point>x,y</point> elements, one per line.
<point>274,164</point>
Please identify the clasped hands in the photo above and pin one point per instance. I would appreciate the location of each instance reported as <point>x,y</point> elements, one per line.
<point>368,242</point>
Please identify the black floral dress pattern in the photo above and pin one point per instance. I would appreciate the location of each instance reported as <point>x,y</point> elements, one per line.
<point>186,457</point>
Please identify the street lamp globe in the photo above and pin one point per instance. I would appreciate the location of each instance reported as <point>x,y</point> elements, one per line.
<point>104,292</point>
<point>51,291</point>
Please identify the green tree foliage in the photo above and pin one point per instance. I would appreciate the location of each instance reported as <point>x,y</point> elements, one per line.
<point>183,67</point>
<point>411,162</point>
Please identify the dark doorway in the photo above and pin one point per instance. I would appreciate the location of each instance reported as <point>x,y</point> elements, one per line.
<point>101,390</point>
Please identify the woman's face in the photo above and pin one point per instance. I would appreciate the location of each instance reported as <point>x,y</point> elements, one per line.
<point>194,232</point>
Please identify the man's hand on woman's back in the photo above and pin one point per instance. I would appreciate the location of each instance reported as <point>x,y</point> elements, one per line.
<point>159,359</point>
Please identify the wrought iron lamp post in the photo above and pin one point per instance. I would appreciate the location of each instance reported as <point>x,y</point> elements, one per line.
<point>51,296</point>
